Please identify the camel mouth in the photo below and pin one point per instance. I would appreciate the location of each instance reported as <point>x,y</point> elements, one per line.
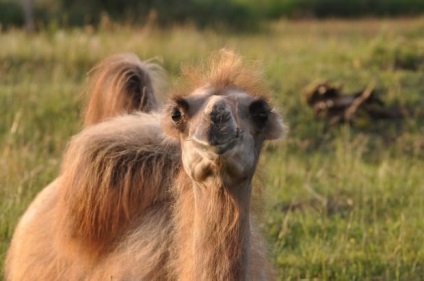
<point>218,148</point>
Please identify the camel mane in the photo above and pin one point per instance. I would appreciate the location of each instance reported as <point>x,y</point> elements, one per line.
<point>221,213</point>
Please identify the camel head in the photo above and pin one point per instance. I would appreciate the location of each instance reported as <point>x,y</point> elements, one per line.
<point>221,118</point>
<point>221,132</point>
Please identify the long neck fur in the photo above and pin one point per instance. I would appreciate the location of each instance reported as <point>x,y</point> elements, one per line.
<point>212,230</point>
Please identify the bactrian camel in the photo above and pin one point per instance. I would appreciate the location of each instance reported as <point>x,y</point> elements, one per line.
<point>146,193</point>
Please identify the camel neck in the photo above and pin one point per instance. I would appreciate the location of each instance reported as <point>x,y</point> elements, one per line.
<point>217,230</point>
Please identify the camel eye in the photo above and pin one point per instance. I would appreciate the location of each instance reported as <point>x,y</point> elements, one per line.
<point>261,117</point>
<point>260,112</point>
<point>176,114</point>
<point>178,110</point>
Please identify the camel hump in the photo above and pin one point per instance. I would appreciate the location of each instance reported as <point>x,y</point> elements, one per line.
<point>122,83</point>
<point>112,173</point>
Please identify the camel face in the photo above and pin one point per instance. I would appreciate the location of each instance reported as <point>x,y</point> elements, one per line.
<point>221,132</point>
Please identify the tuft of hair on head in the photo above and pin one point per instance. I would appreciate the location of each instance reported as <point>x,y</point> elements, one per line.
<point>122,83</point>
<point>224,69</point>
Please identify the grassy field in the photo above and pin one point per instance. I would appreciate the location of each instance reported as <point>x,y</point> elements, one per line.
<point>341,204</point>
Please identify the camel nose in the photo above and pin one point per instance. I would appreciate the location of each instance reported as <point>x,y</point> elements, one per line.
<point>217,126</point>
<point>218,110</point>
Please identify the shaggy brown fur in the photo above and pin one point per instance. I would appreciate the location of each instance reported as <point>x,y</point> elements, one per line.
<point>111,187</point>
<point>128,205</point>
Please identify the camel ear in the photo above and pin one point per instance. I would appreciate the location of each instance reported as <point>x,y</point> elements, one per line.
<point>275,128</point>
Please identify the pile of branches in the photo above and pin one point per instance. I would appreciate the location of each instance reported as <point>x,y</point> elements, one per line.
<point>329,103</point>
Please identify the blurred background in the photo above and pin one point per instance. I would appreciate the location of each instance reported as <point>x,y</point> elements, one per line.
<point>234,14</point>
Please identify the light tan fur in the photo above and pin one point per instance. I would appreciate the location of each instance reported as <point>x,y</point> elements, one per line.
<point>125,207</point>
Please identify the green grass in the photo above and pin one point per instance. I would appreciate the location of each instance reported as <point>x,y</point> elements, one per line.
<point>341,204</point>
